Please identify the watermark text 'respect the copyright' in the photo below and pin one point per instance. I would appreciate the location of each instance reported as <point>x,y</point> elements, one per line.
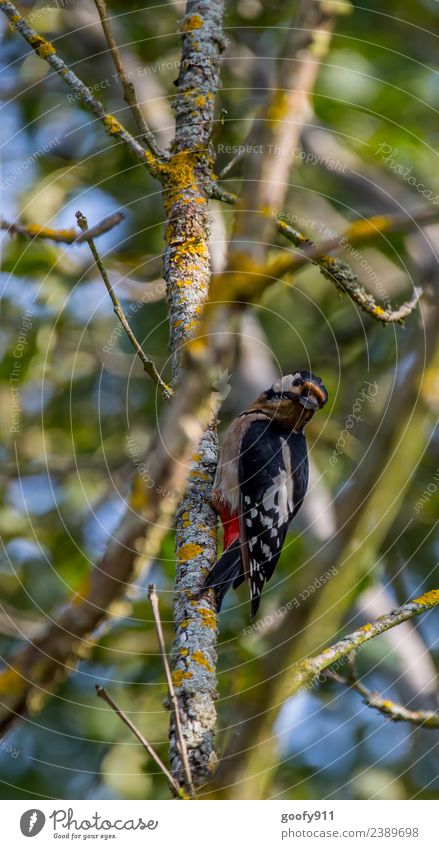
<point>293,153</point>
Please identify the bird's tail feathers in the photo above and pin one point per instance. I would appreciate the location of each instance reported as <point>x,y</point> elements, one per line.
<point>228,570</point>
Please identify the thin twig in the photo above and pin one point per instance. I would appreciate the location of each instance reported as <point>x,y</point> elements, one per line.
<point>45,50</point>
<point>153,597</point>
<point>218,193</point>
<point>307,670</point>
<point>346,280</point>
<point>241,152</point>
<point>394,711</point>
<point>129,90</point>
<point>69,237</point>
<point>102,694</point>
<point>336,270</point>
<point>361,230</point>
<point>148,365</point>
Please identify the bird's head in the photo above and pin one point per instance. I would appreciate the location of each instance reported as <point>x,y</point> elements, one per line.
<point>293,400</point>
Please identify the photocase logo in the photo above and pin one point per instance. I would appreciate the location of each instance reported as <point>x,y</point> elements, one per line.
<point>31,822</point>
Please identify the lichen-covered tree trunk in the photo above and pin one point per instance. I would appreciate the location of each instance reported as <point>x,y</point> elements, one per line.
<point>188,172</point>
<point>194,654</point>
<point>187,273</point>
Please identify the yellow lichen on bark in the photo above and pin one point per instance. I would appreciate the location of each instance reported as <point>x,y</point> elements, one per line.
<point>362,229</point>
<point>112,125</point>
<point>49,233</point>
<point>429,598</point>
<point>189,551</point>
<point>179,175</point>
<point>199,657</point>
<point>42,47</point>
<point>208,617</point>
<point>178,676</point>
<point>193,22</point>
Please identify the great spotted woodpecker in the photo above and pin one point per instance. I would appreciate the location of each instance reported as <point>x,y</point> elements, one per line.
<point>261,481</point>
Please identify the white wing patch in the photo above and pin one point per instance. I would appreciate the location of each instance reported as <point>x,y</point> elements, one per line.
<point>283,492</point>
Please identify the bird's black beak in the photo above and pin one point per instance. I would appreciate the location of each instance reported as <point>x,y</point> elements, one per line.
<point>310,402</point>
<point>312,397</point>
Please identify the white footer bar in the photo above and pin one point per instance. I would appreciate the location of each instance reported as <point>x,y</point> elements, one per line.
<point>220,824</point>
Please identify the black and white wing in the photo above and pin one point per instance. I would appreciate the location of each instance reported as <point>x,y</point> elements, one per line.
<point>273,477</point>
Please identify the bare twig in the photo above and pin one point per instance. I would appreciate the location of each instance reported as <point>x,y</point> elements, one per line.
<point>396,712</point>
<point>307,670</point>
<point>69,237</point>
<point>129,90</point>
<point>45,50</point>
<point>336,270</point>
<point>153,597</point>
<point>102,694</point>
<point>217,192</point>
<point>361,230</point>
<point>346,280</point>
<point>241,152</point>
<point>148,365</point>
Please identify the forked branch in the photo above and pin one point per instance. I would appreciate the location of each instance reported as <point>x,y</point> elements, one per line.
<point>393,711</point>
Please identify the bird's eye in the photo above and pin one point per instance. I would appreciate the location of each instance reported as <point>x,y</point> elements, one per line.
<point>297,382</point>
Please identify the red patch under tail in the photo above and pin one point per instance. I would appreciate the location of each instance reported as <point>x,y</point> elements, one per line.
<point>230,523</point>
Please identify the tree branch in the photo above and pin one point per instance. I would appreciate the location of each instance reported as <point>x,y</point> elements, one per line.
<point>335,270</point>
<point>102,694</point>
<point>196,623</point>
<point>339,272</point>
<point>129,90</point>
<point>153,597</point>
<point>148,364</point>
<point>305,671</point>
<point>393,711</point>
<point>187,273</point>
<point>45,50</point>
<point>187,175</point>
<point>361,230</point>
<point>69,237</point>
